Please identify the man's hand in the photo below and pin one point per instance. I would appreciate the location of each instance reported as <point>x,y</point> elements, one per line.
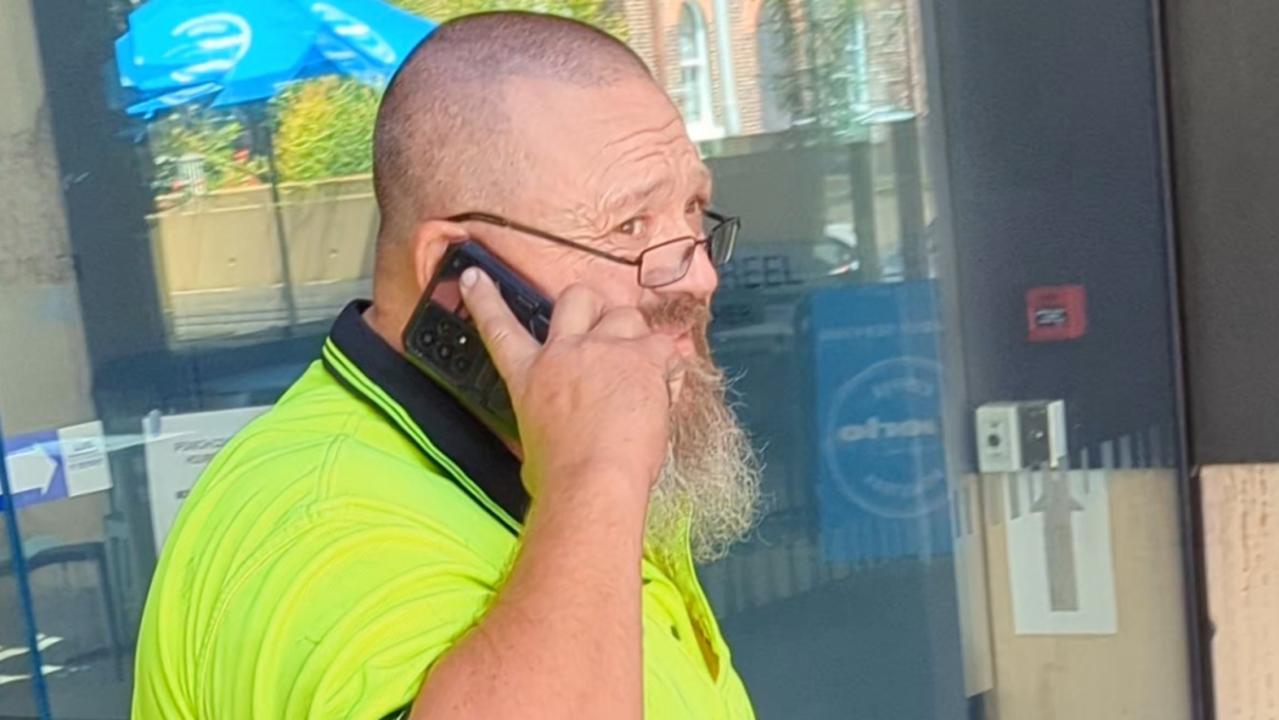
<point>593,402</point>
<point>563,638</point>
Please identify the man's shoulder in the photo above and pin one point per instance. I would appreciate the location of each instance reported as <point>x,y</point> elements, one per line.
<point>315,407</point>
<point>315,423</point>
<point>336,458</point>
<point>316,506</point>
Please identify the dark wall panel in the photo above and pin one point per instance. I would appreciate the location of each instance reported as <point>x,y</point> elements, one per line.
<point>1222,60</point>
<point>1051,116</point>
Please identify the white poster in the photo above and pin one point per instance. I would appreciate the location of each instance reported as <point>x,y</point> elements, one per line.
<point>179,447</point>
<point>1059,556</point>
<point>84,458</point>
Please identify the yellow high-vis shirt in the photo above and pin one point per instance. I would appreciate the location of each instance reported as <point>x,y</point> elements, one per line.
<point>342,542</point>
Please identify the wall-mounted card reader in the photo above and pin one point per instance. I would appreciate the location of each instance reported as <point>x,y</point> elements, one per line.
<point>1014,436</point>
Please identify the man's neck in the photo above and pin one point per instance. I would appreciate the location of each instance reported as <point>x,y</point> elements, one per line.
<point>388,327</point>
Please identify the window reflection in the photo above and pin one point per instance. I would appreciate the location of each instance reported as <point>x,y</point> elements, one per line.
<point>856,594</point>
<point>775,38</point>
<point>695,72</point>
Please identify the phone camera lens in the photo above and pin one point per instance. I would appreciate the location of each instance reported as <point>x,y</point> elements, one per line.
<point>461,365</point>
<point>427,337</point>
<point>444,352</point>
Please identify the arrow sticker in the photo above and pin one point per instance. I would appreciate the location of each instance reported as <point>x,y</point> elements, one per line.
<point>31,469</point>
<point>1058,506</point>
<point>51,465</point>
<point>1060,564</point>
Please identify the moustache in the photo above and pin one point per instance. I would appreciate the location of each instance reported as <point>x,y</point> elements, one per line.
<point>684,313</point>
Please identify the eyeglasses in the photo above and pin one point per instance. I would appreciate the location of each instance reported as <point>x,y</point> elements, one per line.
<point>660,265</point>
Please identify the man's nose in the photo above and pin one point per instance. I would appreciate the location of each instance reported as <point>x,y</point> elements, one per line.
<point>701,279</point>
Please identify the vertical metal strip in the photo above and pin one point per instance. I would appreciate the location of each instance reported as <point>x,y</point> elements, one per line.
<point>19,561</point>
<point>1198,621</point>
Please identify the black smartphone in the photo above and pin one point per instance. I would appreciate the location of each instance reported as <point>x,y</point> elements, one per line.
<point>442,341</point>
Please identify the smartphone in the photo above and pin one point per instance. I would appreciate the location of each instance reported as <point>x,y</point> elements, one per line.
<point>442,341</point>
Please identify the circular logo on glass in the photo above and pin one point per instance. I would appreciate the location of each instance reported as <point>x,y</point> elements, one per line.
<point>883,443</point>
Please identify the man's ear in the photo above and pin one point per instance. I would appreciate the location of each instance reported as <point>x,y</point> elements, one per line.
<point>430,240</point>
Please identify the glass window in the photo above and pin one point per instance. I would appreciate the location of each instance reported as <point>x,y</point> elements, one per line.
<point>775,38</point>
<point>695,72</point>
<point>859,65</point>
<point>954,354</point>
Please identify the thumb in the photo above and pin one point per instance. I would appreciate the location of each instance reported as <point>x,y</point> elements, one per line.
<point>674,366</point>
<point>509,344</point>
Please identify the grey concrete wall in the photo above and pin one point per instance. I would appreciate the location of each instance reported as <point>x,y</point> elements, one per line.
<point>44,377</point>
<point>44,367</point>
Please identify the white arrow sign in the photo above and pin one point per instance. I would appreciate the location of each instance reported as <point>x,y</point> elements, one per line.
<point>1060,562</point>
<point>31,469</point>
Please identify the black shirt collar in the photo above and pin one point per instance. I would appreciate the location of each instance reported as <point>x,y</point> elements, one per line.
<point>479,453</point>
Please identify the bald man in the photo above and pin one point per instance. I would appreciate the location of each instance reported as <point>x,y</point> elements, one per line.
<point>368,548</point>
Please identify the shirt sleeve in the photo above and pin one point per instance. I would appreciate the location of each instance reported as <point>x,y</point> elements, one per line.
<point>343,615</point>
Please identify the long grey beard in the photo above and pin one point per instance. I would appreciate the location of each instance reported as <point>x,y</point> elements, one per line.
<point>710,482</point>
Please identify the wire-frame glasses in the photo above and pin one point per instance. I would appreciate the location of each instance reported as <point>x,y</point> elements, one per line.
<point>662,264</point>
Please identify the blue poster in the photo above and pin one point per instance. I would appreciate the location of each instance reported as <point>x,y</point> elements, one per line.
<point>877,383</point>
<point>36,468</point>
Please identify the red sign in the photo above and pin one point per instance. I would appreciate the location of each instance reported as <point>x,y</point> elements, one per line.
<point>1057,312</point>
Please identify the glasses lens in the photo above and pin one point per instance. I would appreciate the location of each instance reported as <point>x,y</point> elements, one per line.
<point>722,236</point>
<point>665,264</point>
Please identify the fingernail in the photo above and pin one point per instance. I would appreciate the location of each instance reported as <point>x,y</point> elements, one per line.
<point>469,276</point>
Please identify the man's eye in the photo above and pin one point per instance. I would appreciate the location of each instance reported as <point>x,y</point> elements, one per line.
<point>632,227</point>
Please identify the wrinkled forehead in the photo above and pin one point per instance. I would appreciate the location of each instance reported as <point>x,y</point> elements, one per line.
<point>615,140</point>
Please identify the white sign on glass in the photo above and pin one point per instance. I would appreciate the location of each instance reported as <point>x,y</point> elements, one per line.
<point>179,447</point>
<point>1059,556</point>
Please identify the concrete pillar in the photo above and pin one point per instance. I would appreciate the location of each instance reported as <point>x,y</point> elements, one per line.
<point>44,370</point>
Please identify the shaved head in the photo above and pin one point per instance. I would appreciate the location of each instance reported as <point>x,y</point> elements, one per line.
<point>443,142</point>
